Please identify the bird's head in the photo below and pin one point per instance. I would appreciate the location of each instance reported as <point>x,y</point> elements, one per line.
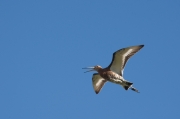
<point>95,68</point>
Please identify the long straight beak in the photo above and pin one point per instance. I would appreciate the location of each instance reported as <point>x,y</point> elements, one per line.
<point>92,69</point>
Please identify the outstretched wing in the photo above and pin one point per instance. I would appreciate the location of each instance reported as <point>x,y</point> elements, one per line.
<point>98,82</point>
<point>120,58</point>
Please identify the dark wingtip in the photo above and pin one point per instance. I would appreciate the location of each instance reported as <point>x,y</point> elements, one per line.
<point>126,87</point>
<point>96,92</point>
<point>141,45</point>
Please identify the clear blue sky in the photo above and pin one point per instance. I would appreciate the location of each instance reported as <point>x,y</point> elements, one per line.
<point>44,45</point>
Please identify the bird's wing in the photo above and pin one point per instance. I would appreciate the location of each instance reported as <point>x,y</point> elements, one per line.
<point>98,82</point>
<point>120,58</point>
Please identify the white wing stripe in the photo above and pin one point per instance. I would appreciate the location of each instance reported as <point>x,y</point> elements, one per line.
<point>127,53</point>
<point>98,82</point>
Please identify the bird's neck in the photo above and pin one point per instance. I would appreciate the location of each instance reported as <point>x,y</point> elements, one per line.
<point>101,70</point>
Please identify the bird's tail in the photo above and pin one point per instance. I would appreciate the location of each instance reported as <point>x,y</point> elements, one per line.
<point>129,85</point>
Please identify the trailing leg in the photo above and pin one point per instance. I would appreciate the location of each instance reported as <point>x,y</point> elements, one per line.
<point>134,89</point>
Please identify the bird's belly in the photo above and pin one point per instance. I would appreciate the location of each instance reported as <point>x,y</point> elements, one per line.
<point>117,81</point>
<point>115,78</point>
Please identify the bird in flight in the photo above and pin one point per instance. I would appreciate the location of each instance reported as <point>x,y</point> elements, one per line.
<point>114,72</point>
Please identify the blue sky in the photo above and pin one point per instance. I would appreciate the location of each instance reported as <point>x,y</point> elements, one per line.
<point>44,45</point>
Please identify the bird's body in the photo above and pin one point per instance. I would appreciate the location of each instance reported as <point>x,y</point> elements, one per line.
<point>114,72</point>
<point>111,76</point>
